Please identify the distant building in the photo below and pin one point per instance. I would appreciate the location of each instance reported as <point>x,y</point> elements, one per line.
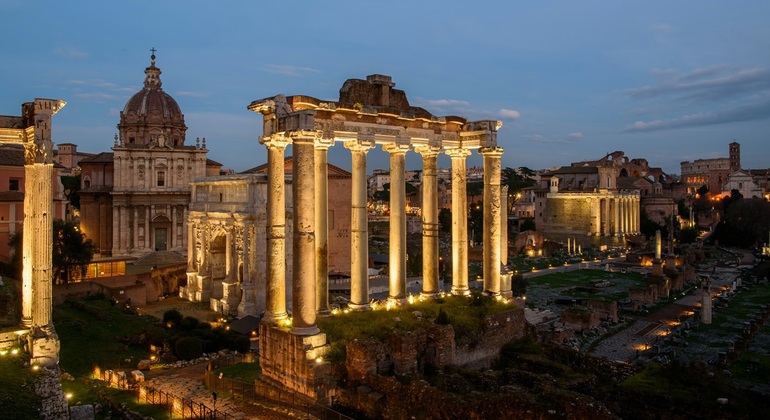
<point>712,173</point>
<point>134,200</point>
<point>743,182</point>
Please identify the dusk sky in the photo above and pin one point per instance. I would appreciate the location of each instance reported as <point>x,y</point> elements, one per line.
<point>570,80</point>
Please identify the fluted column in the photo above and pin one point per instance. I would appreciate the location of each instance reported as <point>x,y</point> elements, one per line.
<point>596,214</point>
<point>459,222</point>
<point>229,255</point>
<point>247,305</point>
<point>359,230</point>
<point>397,246</point>
<point>492,220</point>
<point>304,261</point>
<point>607,219</point>
<point>275,299</point>
<point>322,226</point>
<point>637,217</point>
<point>430,251</point>
<point>190,246</point>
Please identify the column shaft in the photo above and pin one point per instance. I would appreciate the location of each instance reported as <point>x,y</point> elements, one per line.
<point>322,228</point>
<point>304,262</point>
<point>397,245</point>
<point>459,222</point>
<point>359,231</point>
<point>430,250</point>
<point>492,220</point>
<point>276,235</point>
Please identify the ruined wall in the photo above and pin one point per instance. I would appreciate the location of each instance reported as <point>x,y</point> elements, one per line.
<point>53,405</point>
<point>567,215</point>
<point>604,310</point>
<point>481,350</point>
<point>580,318</point>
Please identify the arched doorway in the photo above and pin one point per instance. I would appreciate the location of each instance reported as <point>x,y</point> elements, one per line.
<point>161,233</point>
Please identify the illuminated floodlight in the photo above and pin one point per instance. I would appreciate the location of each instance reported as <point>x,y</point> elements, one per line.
<point>68,395</point>
<point>319,359</point>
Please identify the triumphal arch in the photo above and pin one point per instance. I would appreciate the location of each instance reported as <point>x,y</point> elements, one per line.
<point>369,113</point>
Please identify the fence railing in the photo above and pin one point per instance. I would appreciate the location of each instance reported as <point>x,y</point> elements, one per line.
<point>262,393</point>
<point>186,408</point>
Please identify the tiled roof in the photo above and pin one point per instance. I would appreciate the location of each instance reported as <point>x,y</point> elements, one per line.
<point>11,155</point>
<point>103,157</point>
<point>11,196</point>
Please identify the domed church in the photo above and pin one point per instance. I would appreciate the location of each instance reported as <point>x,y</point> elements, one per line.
<point>134,200</point>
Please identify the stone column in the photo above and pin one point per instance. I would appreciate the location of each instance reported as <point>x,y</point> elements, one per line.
<point>397,246</point>
<point>459,222</point>
<point>247,305</point>
<point>359,231</point>
<point>607,218</point>
<point>135,228</point>
<point>322,226</point>
<point>430,250</point>
<point>229,255</point>
<point>637,210</point>
<point>504,226</point>
<point>191,247</point>
<point>275,297</point>
<point>304,261</point>
<point>147,244</point>
<point>616,219</point>
<point>492,219</point>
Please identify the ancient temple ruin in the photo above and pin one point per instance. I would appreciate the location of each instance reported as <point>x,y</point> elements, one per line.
<point>368,113</point>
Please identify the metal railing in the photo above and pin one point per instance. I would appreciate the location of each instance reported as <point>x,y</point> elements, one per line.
<point>186,408</point>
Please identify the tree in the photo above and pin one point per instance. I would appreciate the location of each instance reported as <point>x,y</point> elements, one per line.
<point>71,251</point>
<point>445,221</point>
<point>71,185</point>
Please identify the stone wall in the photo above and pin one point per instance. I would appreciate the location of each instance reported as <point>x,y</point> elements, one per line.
<point>580,318</point>
<point>605,310</point>
<point>53,405</point>
<point>433,348</point>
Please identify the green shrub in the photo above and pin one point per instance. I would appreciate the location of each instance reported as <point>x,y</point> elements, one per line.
<point>188,323</point>
<point>188,348</point>
<point>242,344</point>
<point>172,318</point>
<point>442,318</point>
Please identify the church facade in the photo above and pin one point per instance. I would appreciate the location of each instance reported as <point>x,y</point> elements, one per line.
<point>134,200</point>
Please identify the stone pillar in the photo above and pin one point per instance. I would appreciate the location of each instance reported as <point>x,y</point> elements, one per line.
<point>397,246</point>
<point>459,222</point>
<point>596,216</point>
<point>135,228</point>
<point>322,227</point>
<point>147,244</point>
<point>247,305</point>
<point>492,219</point>
<point>359,231</point>
<point>705,310</point>
<point>607,219</point>
<point>229,255</point>
<point>38,203</point>
<point>275,310</point>
<point>616,219</point>
<point>504,227</point>
<point>430,249</point>
<point>191,246</point>
<point>304,261</point>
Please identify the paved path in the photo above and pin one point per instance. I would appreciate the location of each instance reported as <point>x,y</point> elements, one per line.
<point>187,383</point>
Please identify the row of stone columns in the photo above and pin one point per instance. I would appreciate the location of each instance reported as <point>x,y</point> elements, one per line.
<point>620,216</point>
<point>310,246</point>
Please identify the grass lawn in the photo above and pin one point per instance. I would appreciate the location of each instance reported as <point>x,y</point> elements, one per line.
<point>579,284</point>
<point>96,392</point>
<point>89,331</point>
<point>247,372</point>
<point>465,314</point>
<point>17,395</point>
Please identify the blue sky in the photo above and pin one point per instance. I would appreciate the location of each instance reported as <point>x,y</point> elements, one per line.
<point>571,80</point>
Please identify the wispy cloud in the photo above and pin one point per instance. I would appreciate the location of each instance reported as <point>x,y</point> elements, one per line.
<point>575,136</point>
<point>446,103</point>
<point>100,83</point>
<point>661,27</point>
<point>191,94</point>
<point>70,52</point>
<point>510,114</point>
<point>287,70</point>
<point>708,83</point>
<point>96,96</point>
<point>759,110</point>
<point>714,95</point>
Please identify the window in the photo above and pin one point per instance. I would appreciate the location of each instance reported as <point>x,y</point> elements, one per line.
<point>161,178</point>
<point>13,184</point>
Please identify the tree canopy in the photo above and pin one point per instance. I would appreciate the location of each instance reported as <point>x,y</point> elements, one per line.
<point>72,251</point>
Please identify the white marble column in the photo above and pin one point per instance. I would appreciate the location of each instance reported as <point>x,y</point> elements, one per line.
<point>430,249</point>
<point>492,220</point>
<point>275,310</point>
<point>397,246</point>
<point>359,231</point>
<point>191,247</point>
<point>322,226</point>
<point>607,219</point>
<point>459,222</point>
<point>304,261</point>
<point>616,216</point>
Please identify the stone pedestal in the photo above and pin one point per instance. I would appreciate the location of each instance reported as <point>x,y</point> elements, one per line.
<point>44,346</point>
<point>296,361</point>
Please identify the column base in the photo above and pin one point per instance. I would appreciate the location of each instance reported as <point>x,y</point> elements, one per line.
<point>429,295</point>
<point>359,306</point>
<point>460,291</point>
<point>277,319</point>
<point>305,331</point>
<point>394,302</point>
<point>324,313</point>
<point>44,346</point>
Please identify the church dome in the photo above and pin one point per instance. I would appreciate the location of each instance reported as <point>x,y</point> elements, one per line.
<point>150,113</point>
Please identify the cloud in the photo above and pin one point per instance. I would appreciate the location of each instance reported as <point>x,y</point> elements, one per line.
<point>191,94</point>
<point>708,83</point>
<point>661,27</point>
<point>511,114</point>
<point>70,52</point>
<point>96,96</point>
<point>286,70</point>
<point>575,136</point>
<point>95,83</point>
<point>534,137</point>
<point>759,110</point>
<point>447,103</point>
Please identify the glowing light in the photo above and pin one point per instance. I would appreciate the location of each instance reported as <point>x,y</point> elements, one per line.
<point>335,311</point>
<point>319,359</point>
<point>374,305</point>
<point>68,395</point>
<point>3,352</point>
<point>253,333</point>
<point>15,352</point>
<point>410,299</point>
<point>287,322</point>
<point>152,358</point>
<point>390,305</point>
<point>346,310</point>
<point>35,367</point>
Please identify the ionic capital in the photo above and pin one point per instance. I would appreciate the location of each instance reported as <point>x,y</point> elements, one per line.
<point>277,140</point>
<point>324,143</point>
<point>395,148</point>
<point>359,145</point>
<point>305,136</point>
<point>427,150</point>
<point>491,151</point>
<point>458,152</point>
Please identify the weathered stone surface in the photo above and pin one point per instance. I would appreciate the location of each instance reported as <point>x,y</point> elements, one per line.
<point>144,364</point>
